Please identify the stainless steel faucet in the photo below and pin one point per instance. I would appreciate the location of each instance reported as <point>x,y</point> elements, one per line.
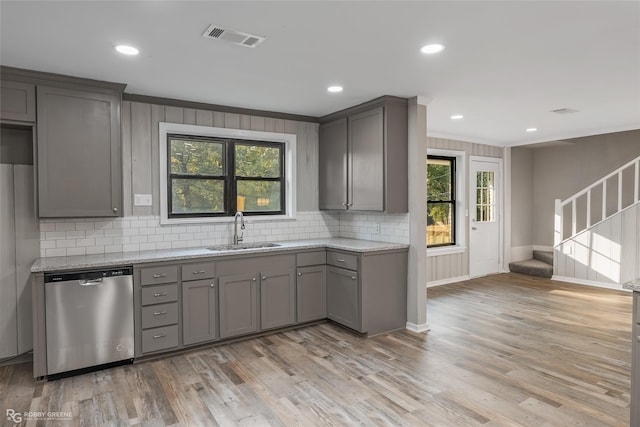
<point>237,239</point>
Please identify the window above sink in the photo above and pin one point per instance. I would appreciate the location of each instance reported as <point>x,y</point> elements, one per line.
<point>208,174</point>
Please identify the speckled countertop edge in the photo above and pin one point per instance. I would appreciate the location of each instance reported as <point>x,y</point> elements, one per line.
<point>633,285</point>
<point>141,257</point>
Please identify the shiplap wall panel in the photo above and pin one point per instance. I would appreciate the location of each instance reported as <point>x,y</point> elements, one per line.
<point>157,116</point>
<point>141,157</point>
<point>125,120</point>
<point>141,172</point>
<point>457,265</point>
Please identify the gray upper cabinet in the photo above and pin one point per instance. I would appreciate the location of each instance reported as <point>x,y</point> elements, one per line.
<point>18,101</point>
<point>199,311</point>
<point>277,299</point>
<point>333,165</point>
<point>238,305</point>
<point>366,144</point>
<point>79,154</point>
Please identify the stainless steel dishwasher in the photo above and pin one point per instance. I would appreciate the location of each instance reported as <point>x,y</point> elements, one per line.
<point>89,318</point>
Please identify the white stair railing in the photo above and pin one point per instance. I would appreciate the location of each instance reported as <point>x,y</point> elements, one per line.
<point>573,201</point>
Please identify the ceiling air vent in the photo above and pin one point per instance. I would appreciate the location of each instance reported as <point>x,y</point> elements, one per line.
<point>236,37</point>
<point>564,111</point>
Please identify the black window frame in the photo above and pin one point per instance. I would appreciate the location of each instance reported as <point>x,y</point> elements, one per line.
<point>228,177</point>
<point>451,201</point>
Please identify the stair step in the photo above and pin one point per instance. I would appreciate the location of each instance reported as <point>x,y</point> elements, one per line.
<point>544,256</point>
<point>532,267</point>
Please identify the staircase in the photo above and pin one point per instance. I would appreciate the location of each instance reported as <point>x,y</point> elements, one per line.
<point>541,265</point>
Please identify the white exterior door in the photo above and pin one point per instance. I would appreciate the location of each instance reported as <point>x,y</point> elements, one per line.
<point>485,229</point>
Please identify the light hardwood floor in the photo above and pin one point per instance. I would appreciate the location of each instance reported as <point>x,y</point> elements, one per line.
<point>506,350</point>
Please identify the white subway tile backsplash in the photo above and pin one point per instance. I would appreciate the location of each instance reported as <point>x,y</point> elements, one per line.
<point>73,237</point>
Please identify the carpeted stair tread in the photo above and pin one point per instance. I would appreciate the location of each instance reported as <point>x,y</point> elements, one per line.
<point>544,256</point>
<point>532,267</point>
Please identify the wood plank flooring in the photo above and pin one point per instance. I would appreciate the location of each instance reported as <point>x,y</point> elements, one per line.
<point>505,350</point>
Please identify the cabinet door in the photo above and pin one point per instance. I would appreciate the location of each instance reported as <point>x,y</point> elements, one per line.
<point>342,297</point>
<point>312,293</point>
<point>366,161</point>
<point>8,320</point>
<point>333,165</point>
<point>79,155</point>
<point>199,311</point>
<point>238,305</point>
<point>277,299</point>
<point>18,101</point>
<point>635,363</point>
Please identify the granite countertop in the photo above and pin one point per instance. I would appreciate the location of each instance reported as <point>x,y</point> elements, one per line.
<point>139,257</point>
<point>633,285</point>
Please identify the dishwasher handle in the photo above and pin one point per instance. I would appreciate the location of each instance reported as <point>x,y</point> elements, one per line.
<point>90,282</point>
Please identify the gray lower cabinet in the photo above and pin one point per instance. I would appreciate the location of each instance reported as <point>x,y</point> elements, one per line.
<point>238,304</point>
<point>343,301</point>
<point>79,154</point>
<point>312,293</point>
<point>18,101</point>
<point>635,363</point>
<point>277,299</point>
<point>157,302</point>
<point>199,311</point>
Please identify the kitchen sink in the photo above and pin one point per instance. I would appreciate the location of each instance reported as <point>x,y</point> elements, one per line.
<point>242,246</point>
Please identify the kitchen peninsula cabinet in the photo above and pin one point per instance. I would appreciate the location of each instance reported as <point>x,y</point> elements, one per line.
<point>363,157</point>
<point>79,154</point>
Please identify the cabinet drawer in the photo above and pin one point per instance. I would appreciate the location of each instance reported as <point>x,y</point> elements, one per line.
<point>159,315</point>
<point>203,270</point>
<point>159,338</point>
<point>159,294</point>
<point>156,275</point>
<point>311,258</point>
<point>342,260</point>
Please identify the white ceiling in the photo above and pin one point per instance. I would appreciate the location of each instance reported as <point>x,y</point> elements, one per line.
<point>505,66</point>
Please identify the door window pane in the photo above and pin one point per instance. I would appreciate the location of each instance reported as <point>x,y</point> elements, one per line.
<point>485,196</point>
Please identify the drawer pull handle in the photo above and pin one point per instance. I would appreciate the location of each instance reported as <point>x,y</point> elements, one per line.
<point>160,313</point>
<point>159,294</point>
<point>353,277</point>
<point>340,260</point>
<point>198,272</point>
<point>155,337</point>
<point>157,276</point>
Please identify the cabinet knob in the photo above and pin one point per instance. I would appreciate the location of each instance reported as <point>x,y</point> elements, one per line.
<point>345,204</point>
<point>299,274</point>
<point>353,277</point>
<point>639,339</point>
<point>213,285</point>
<point>254,279</point>
<point>115,210</point>
<point>264,277</point>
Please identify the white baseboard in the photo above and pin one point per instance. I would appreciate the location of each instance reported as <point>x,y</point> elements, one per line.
<point>423,327</point>
<point>543,248</point>
<point>614,286</point>
<point>521,253</point>
<point>447,281</point>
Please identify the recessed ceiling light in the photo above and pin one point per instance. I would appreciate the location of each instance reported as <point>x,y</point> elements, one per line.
<point>457,117</point>
<point>334,89</point>
<point>531,129</point>
<point>127,50</point>
<point>432,48</point>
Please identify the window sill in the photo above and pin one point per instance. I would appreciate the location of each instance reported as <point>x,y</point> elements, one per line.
<point>226,219</point>
<point>449,250</point>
